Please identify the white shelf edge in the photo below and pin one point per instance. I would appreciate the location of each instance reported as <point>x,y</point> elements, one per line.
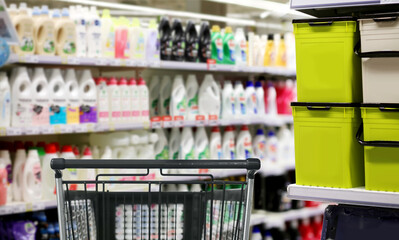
<point>352,196</point>
<point>21,207</point>
<point>110,62</point>
<point>101,127</point>
<point>276,219</point>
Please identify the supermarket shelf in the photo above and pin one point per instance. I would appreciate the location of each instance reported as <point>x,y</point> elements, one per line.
<point>108,62</point>
<point>101,127</point>
<point>276,219</point>
<point>21,207</point>
<point>353,196</point>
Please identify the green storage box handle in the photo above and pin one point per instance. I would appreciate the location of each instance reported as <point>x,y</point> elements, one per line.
<point>374,143</point>
<point>377,54</point>
<point>316,24</point>
<point>312,108</point>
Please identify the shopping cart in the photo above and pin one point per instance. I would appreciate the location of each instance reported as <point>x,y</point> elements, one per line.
<point>127,206</point>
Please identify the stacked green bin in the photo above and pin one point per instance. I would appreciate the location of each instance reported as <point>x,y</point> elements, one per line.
<point>381,142</point>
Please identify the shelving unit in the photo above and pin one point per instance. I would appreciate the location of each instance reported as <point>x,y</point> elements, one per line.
<point>352,196</point>
<point>21,207</point>
<point>171,65</point>
<point>101,127</point>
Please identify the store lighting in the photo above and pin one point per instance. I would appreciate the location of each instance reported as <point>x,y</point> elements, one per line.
<point>126,7</point>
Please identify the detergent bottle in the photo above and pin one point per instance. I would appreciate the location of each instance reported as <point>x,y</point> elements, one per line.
<point>260,98</point>
<point>79,18</point>
<point>12,10</point>
<point>259,145</point>
<point>244,144</point>
<point>65,32</point>
<point>125,100</point>
<point>285,146</point>
<point>191,51</point>
<point>5,101</point>
<point>174,143</point>
<point>21,93</point>
<point>215,144</point>
<point>281,57</point>
<point>164,95</point>
<point>204,43</point>
<point>135,105</point>
<point>161,147</point>
<point>5,163</point>
<point>186,150</point>
<point>114,100</point>
<point>240,100</point>
<point>122,46</point>
<point>217,44</point>
<point>88,98</point>
<point>250,96</point>
<point>31,179</point>
<point>93,34</point>
<point>271,107</point>
<point>229,46</point>
<point>209,97</point>
<point>18,170</point>
<point>137,40</point>
<point>201,144</point>
<point>103,100</point>
<point>144,100</point>
<point>178,100</point>
<point>45,33</point>
<point>58,97</point>
<point>155,86</point>
<point>229,146</point>
<point>192,97</point>
<point>228,101</point>
<point>269,56</point>
<point>73,97</point>
<point>70,173</point>
<point>152,42</point>
<point>179,42</point>
<point>272,148</point>
<point>40,110</point>
<point>166,39</point>
<point>48,183</point>
<point>3,185</point>
<point>240,47</point>
<point>107,35</point>
<point>24,26</point>
<point>87,174</point>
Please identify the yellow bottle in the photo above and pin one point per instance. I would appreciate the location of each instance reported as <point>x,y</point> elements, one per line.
<point>268,58</point>
<point>65,32</point>
<point>44,32</point>
<point>23,25</point>
<point>12,11</point>
<point>281,59</point>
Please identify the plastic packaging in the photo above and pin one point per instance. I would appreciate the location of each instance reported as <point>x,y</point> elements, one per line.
<point>272,146</point>
<point>256,235</point>
<point>114,100</point>
<point>201,144</point>
<point>217,44</point>
<point>270,53</point>
<point>178,100</point>
<point>260,99</point>
<point>79,17</point>
<point>259,145</point>
<point>40,98</point>
<point>240,100</point>
<point>161,147</point>
<point>250,96</point>
<point>122,46</point>
<point>144,100</point>
<point>25,31</point>
<point>155,85</point>
<point>228,101</point>
<point>204,43</point>
<point>138,38</point>
<point>31,179</point>
<point>103,100</point>
<point>48,183</point>
<point>215,144</point>
<point>93,34</point>
<point>107,35</point>
<point>73,97</point>
<point>174,143</point>
<point>135,105</point>
<point>21,101</point>
<point>229,46</point>
<point>152,42</point>
<point>71,173</point>
<point>285,151</point>
<point>166,39</point>
<point>271,107</point>
<point>240,47</point>
<point>65,31</point>
<point>179,42</point>
<point>58,97</point>
<point>244,144</point>
<point>229,146</point>
<point>186,151</point>
<point>209,97</point>
<point>5,101</point>
<point>125,100</point>
<point>5,163</point>
<point>45,33</point>
<point>18,169</point>
<point>191,38</point>
<point>281,58</point>
<point>192,97</point>
<point>164,95</point>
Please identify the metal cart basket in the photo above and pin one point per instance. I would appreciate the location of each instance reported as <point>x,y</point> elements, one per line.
<point>125,205</point>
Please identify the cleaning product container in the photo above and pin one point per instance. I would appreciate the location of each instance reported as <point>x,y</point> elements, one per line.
<point>327,68</point>
<point>380,58</point>
<point>326,151</point>
<point>381,146</point>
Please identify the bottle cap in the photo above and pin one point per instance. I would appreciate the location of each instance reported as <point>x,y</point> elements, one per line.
<point>87,152</point>
<point>23,6</point>
<point>57,146</point>
<point>228,30</point>
<point>44,10</point>
<point>18,145</point>
<point>258,84</point>
<point>215,129</point>
<point>65,12</point>
<point>256,230</point>
<point>112,81</point>
<point>270,134</point>
<point>141,81</point>
<point>28,144</point>
<point>41,144</point>
<point>270,37</point>
<point>132,81</point>
<point>244,128</point>
<point>250,84</point>
<point>75,150</point>
<point>229,129</point>
<point>66,148</point>
<point>56,13</point>
<point>215,28</point>
<point>50,148</point>
<point>36,11</point>
<point>260,132</point>
<point>122,81</point>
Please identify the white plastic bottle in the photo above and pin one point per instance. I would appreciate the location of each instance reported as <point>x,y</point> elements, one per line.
<point>155,85</point>
<point>21,93</point>
<point>215,144</point>
<point>45,33</point>
<point>23,23</point>
<point>174,143</point>
<point>5,161</point>
<point>186,151</point>
<point>58,97</point>
<point>164,95</point>
<point>285,148</point>
<point>144,100</point>
<point>256,235</point>
<point>103,100</point>
<point>41,102</point>
<point>241,104</point>
<point>93,34</point>
<point>209,97</point>
<point>137,40</point>
<point>81,32</point>
<point>260,98</point>
<point>201,144</point>
<point>272,146</point>
<point>73,97</point>
<point>17,169</point>
<point>87,174</point>
<point>125,100</point>
<point>114,100</point>
<point>152,42</point>
<point>65,31</point>
<point>48,183</point>
<point>31,179</point>
<point>259,145</point>
<point>88,98</point>
<point>178,99</point>
<point>241,47</point>
<point>228,101</point>
<point>192,97</point>
<point>5,101</point>
<point>250,97</point>
<point>271,108</point>
<point>135,103</point>
<point>244,144</point>
<point>229,146</point>
<point>107,35</point>
<point>70,173</point>
<point>161,147</point>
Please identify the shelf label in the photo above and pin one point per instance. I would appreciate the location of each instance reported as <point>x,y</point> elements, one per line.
<point>73,60</point>
<point>20,208</point>
<point>64,60</point>
<point>115,62</point>
<point>179,121</point>
<point>57,129</point>
<point>38,206</point>
<point>200,120</point>
<point>213,120</point>
<point>156,122</point>
<point>211,64</point>
<point>167,122</point>
<point>146,124</point>
<point>46,130</point>
<point>14,131</point>
<point>32,130</point>
<point>5,210</point>
<point>81,128</point>
<point>89,127</point>
<point>3,131</point>
<point>29,207</point>
<point>141,63</point>
<point>101,61</point>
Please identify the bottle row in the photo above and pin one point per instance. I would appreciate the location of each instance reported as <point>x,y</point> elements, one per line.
<point>42,97</point>
<point>26,174</point>
<point>80,31</point>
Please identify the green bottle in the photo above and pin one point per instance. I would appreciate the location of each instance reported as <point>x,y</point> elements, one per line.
<point>229,46</point>
<point>217,44</point>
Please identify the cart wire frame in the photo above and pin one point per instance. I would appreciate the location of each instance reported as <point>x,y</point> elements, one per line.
<point>67,199</point>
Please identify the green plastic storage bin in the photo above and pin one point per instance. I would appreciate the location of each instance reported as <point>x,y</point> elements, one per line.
<point>328,70</point>
<point>326,151</point>
<point>381,146</point>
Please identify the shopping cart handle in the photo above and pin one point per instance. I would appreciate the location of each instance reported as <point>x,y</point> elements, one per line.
<point>249,164</point>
